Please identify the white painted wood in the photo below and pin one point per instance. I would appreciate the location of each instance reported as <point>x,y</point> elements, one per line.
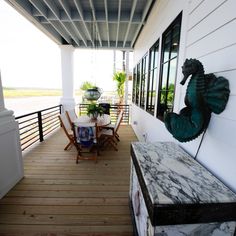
<point>147,127</point>
<point>218,156</point>
<point>194,5</point>
<point>11,164</point>
<point>156,24</point>
<point>217,19</point>
<point>202,11</point>
<point>214,41</point>
<point>2,105</point>
<point>221,60</point>
<point>231,77</point>
<point>230,112</point>
<point>67,74</point>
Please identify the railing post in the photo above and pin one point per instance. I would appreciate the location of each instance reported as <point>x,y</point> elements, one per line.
<point>40,126</point>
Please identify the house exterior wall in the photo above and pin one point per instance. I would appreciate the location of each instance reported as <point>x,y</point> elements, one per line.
<point>207,34</point>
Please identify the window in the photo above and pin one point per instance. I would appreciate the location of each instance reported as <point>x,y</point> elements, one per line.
<point>137,84</point>
<point>134,85</point>
<point>144,71</point>
<point>170,47</point>
<point>152,78</point>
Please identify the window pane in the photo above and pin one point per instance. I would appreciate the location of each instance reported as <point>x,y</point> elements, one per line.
<point>151,93</point>
<point>167,45</point>
<point>164,76</point>
<point>137,84</point>
<point>134,85</point>
<point>143,82</point>
<point>156,56</point>
<point>153,97</point>
<point>172,73</point>
<point>175,41</point>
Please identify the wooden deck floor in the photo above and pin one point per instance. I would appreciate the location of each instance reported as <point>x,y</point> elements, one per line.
<point>59,197</point>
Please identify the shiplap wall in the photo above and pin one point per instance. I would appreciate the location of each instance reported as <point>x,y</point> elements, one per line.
<point>211,38</point>
<point>208,34</point>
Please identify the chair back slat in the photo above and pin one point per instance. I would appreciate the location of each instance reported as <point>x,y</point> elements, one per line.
<point>71,115</point>
<point>106,107</point>
<point>119,119</point>
<point>64,122</point>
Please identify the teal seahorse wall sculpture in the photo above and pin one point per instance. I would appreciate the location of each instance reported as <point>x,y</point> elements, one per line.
<point>205,94</point>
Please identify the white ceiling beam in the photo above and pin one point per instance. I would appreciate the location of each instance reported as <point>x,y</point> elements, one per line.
<point>80,11</point>
<point>42,9</point>
<point>130,21</point>
<point>96,24</point>
<point>66,8</point>
<point>145,11</point>
<point>51,5</point>
<point>118,23</point>
<point>107,24</point>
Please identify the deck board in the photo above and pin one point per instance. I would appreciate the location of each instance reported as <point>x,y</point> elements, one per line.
<point>59,197</point>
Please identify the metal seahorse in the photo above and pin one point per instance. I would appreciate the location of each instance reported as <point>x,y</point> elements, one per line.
<point>205,94</point>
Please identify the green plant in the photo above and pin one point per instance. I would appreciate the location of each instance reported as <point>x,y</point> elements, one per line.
<point>120,77</point>
<point>86,85</point>
<point>93,109</point>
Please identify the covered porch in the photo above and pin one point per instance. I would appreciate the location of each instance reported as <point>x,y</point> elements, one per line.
<point>58,197</point>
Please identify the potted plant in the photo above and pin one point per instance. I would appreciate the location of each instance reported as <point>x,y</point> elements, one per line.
<point>93,110</point>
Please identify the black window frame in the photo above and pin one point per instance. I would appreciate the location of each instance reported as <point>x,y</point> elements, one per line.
<point>134,84</point>
<point>137,84</point>
<point>164,107</point>
<point>143,80</point>
<point>152,78</point>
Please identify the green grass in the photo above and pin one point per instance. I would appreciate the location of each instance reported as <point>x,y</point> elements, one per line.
<point>24,92</point>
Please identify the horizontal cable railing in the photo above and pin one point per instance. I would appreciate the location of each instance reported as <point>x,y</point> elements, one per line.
<point>114,112</point>
<point>33,127</point>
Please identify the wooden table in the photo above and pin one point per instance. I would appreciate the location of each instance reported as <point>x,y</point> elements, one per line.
<point>101,120</point>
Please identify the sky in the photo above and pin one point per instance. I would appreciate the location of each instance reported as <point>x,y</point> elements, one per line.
<point>28,58</point>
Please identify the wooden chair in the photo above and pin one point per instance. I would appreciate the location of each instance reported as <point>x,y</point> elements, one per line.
<point>106,107</point>
<point>67,129</point>
<point>86,141</point>
<point>71,115</point>
<point>109,134</point>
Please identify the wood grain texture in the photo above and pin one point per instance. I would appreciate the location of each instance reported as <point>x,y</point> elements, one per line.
<point>59,197</point>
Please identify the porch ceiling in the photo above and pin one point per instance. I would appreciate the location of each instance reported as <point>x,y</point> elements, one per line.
<point>112,24</point>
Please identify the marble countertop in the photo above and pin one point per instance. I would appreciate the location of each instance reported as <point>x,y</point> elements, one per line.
<point>173,177</point>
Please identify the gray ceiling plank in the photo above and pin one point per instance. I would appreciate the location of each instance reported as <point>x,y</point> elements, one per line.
<point>149,3</point>
<point>115,23</point>
<point>80,11</point>
<point>130,21</point>
<point>107,24</point>
<point>96,24</point>
<point>41,8</point>
<point>51,5</point>
<point>65,6</point>
<point>118,23</point>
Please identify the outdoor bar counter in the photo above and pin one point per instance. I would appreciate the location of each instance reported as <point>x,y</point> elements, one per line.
<point>171,194</point>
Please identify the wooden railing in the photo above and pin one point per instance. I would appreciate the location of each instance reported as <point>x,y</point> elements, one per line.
<point>114,112</point>
<point>33,127</point>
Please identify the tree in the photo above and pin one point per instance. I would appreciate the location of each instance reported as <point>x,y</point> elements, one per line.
<point>120,77</point>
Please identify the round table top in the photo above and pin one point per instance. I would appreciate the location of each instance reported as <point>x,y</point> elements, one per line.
<point>101,120</point>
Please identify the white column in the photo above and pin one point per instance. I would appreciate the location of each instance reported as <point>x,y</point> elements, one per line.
<point>67,74</point>
<point>11,164</point>
<point>127,77</point>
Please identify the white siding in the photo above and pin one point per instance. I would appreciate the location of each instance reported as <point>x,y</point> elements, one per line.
<point>208,34</point>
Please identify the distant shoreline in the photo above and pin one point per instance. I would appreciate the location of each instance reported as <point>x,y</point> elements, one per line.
<point>32,92</point>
